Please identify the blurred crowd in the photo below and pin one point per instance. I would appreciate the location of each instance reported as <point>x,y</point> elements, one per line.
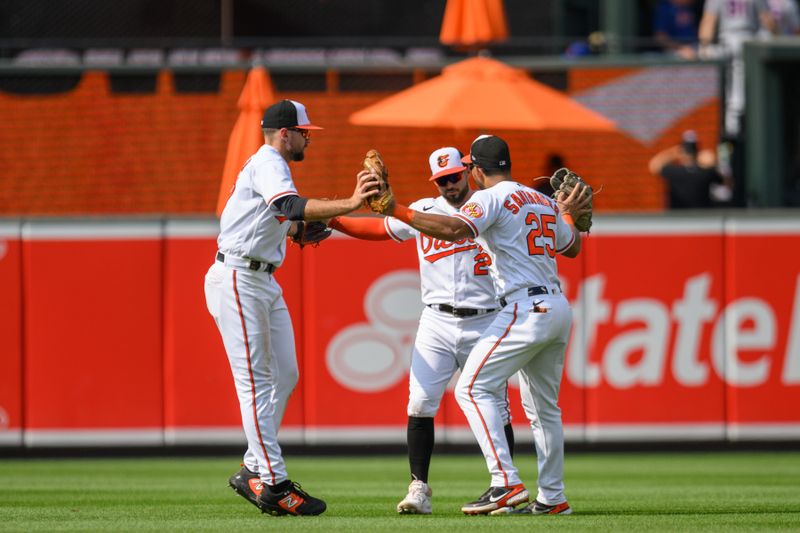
<point>710,29</point>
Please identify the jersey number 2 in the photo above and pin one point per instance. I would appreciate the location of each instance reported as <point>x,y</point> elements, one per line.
<point>544,226</point>
<point>482,262</point>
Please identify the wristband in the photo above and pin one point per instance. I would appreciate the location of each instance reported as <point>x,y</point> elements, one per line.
<point>404,214</point>
<point>568,219</point>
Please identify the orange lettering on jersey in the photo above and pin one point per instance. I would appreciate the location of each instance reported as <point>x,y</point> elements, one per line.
<point>441,255</point>
<point>425,243</point>
<point>517,200</point>
<point>511,207</point>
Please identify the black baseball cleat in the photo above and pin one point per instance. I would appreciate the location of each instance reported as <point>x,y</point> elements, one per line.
<point>247,484</point>
<point>538,507</point>
<point>497,498</point>
<point>294,501</point>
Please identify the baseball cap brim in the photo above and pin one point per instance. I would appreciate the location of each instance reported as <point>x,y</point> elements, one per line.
<point>308,127</point>
<point>467,159</point>
<point>447,172</point>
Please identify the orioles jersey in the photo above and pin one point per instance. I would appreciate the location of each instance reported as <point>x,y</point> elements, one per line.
<point>457,273</point>
<point>522,230</point>
<point>251,226</point>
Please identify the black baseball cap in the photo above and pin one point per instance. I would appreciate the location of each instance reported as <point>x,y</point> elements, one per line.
<point>287,114</point>
<point>490,153</point>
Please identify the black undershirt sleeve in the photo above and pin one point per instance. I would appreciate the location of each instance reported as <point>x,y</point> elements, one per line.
<point>293,207</point>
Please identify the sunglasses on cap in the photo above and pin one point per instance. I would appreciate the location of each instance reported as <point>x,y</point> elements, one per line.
<point>305,133</point>
<point>450,178</point>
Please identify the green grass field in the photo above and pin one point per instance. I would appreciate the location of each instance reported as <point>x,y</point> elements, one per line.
<point>635,492</point>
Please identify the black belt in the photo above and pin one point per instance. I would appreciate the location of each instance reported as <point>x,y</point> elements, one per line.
<point>251,264</point>
<point>532,291</point>
<point>460,311</point>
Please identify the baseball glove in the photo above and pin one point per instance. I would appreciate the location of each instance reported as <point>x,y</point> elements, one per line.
<point>310,233</point>
<point>380,202</point>
<point>563,181</point>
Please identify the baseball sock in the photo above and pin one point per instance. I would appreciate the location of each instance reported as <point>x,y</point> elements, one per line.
<point>420,446</point>
<point>509,438</point>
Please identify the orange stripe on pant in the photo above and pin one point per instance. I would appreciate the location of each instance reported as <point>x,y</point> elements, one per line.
<point>472,382</point>
<point>252,380</point>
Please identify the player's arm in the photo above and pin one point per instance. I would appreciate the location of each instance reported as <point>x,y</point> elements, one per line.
<point>571,207</point>
<point>440,226</point>
<point>296,208</point>
<point>708,26</point>
<point>367,228</point>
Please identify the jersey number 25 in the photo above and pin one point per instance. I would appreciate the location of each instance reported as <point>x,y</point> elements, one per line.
<point>541,227</point>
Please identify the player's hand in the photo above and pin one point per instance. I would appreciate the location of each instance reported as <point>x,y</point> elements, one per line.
<point>577,203</point>
<point>366,186</point>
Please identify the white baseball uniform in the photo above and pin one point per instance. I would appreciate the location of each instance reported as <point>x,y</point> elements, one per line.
<point>460,303</point>
<point>738,22</point>
<point>247,305</point>
<point>522,230</point>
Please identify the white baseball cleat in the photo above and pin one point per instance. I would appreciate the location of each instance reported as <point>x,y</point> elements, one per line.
<point>418,499</point>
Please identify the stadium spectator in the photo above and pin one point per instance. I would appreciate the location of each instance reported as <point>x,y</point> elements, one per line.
<point>594,44</point>
<point>675,27</point>
<point>734,22</point>
<point>690,176</point>
<point>786,16</point>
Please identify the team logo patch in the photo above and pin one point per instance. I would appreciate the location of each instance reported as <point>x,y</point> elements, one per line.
<point>442,160</point>
<point>472,210</point>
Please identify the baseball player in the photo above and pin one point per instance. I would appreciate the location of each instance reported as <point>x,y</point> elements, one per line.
<point>460,303</point>
<point>248,306</point>
<point>522,230</point>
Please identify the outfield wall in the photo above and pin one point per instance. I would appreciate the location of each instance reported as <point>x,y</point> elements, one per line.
<point>686,328</point>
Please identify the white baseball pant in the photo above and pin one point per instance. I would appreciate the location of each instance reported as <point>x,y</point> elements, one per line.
<point>734,84</point>
<point>441,347</point>
<point>256,330</point>
<point>534,344</point>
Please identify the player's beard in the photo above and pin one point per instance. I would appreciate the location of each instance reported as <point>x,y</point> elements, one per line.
<point>457,197</point>
<point>299,155</point>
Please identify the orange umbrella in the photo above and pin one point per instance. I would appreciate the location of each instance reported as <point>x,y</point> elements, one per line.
<point>473,22</point>
<point>246,137</point>
<point>482,93</point>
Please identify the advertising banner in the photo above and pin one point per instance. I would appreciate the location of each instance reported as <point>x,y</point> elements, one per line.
<point>93,333</point>
<point>683,328</point>
<point>11,334</point>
